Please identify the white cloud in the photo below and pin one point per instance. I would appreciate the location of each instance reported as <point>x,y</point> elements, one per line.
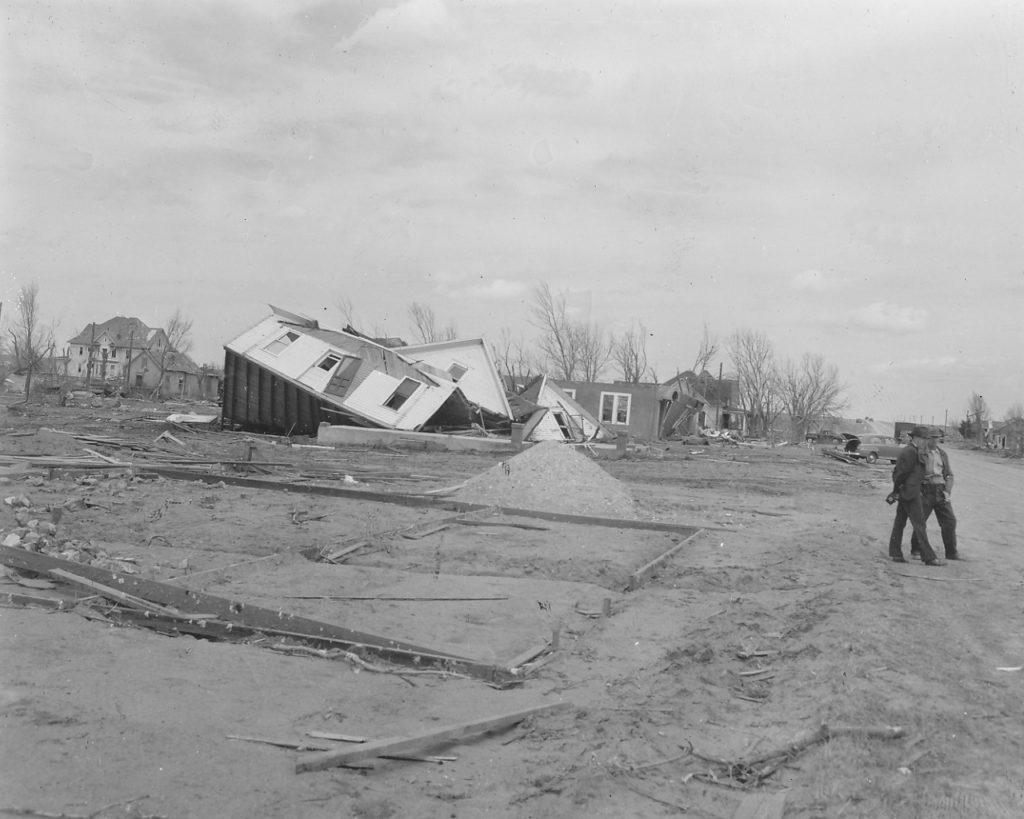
<point>892,318</point>
<point>413,24</point>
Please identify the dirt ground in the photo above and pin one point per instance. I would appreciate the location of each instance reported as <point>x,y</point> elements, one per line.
<point>784,613</point>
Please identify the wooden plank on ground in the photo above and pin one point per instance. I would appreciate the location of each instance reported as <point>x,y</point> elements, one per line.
<point>189,602</point>
<point>636,580</point>
<point>417,501</point>
<point>419,742</point>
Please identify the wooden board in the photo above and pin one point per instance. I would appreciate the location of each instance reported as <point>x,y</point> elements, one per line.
<point>419,742</point>
<point>636,580</point>
<point>418,501</point>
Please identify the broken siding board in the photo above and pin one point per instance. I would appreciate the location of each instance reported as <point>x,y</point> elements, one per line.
<point>265,386</point>
<point>230,611</point>
<point>413,744</point>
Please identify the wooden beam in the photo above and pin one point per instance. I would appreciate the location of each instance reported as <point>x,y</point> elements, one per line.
<point>418,501</point>
<point>636,580</point>
<point>419,742</point>
<point>187,603</point>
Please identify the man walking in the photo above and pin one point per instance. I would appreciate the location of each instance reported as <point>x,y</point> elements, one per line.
<point>935,492</point>
<point>907,479</point>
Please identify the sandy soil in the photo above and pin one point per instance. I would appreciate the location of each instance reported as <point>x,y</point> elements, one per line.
<point>783,614</point>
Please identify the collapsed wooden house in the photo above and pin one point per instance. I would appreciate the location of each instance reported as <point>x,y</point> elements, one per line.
<point>287,375</point>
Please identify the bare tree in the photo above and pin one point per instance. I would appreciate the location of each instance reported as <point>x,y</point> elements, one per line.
<point>179,343</point>
<point>978,415</point>
<point>513,356</point>
<point>707,351</point>
<point>572,349</point>
<point>1015,411</point>
<point>427,327</point>
<point>809,391</point>
<point>753,358</point>
<point>31,341</point>
<point>347,309</point>
<point>629,351</point>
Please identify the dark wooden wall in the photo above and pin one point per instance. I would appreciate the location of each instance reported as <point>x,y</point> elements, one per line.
<point>257,400</point>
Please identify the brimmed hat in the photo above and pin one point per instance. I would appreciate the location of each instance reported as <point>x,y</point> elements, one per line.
<point>921,431</point>
<point>934,432</point>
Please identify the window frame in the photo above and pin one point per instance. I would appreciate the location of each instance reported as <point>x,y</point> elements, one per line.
<point>616,406</point>
<point>397,394</point>
<point>454,365</point>
<point>338,358</point>
<point>272,348</point>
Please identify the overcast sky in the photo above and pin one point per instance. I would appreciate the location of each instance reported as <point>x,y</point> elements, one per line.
<point>843,177</point>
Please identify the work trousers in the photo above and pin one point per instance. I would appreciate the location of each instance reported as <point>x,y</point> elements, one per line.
<point>912,510</point>
<point>937,502</point>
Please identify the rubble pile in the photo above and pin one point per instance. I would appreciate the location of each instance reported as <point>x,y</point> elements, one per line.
<point>34,534</point>
<point>551,477</point>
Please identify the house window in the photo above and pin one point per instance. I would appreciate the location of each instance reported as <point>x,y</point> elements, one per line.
<point>403,393</point>
<point>456,371</point>
<point>330,362</point>
<point>79,368</point>
<point>281,343</point>
<point>571,392</point>
<point>563,425</point>
<point>81,351</point>
<point>615,407</point>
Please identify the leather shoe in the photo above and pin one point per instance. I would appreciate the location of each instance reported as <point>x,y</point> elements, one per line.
<point>935,562</point>
<point>953,557</point>
<point>899,560</point>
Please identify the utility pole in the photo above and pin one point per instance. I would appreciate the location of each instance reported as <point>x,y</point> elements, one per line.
<point>718,406</point>
<point>128,366</point>
<point>88,366</point>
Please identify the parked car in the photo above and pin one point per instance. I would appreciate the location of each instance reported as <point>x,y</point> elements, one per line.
<point>872,447</point>
<point>825,436</point>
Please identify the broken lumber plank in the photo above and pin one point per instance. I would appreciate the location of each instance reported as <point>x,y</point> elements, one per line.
<point>423,500</point>
<point>14,599</point>
<point>637,579</point>
<point>346,738</point>
<point>529,654</point>
<point>239,615</point>
<point>418,742</point>
<point>99,455</point>
<point>108,592</point>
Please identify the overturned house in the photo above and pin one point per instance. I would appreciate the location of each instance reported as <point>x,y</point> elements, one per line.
<point>548,413</point>
<point>287,375</point>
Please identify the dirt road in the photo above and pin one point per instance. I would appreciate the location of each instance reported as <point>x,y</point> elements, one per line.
<point>784,614</point>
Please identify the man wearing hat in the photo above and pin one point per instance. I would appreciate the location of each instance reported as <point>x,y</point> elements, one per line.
<point>935,492</point>
<point>908,476</point>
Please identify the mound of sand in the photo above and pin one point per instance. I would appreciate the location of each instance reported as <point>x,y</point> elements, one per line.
<point>551,477</point>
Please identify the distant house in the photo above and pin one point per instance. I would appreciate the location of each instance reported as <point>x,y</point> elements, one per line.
<point>1008,435</point>
<point>106,352</point>
<point>287,374</point>
<point>556,415</point>
<point>721,410</point>
<point>644,411</point>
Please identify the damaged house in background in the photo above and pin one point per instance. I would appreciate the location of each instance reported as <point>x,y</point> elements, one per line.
<point>287,375</point>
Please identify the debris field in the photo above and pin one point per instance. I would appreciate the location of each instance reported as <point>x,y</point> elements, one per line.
<point>204,623</point>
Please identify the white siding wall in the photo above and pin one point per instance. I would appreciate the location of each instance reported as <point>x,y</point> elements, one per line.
<point>368,400</point>
<point>478,385</point>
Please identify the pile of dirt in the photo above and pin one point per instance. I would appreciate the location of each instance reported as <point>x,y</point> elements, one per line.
<point>551,477</point>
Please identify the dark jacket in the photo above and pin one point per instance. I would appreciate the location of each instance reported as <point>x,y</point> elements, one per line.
<point>908,473</point>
